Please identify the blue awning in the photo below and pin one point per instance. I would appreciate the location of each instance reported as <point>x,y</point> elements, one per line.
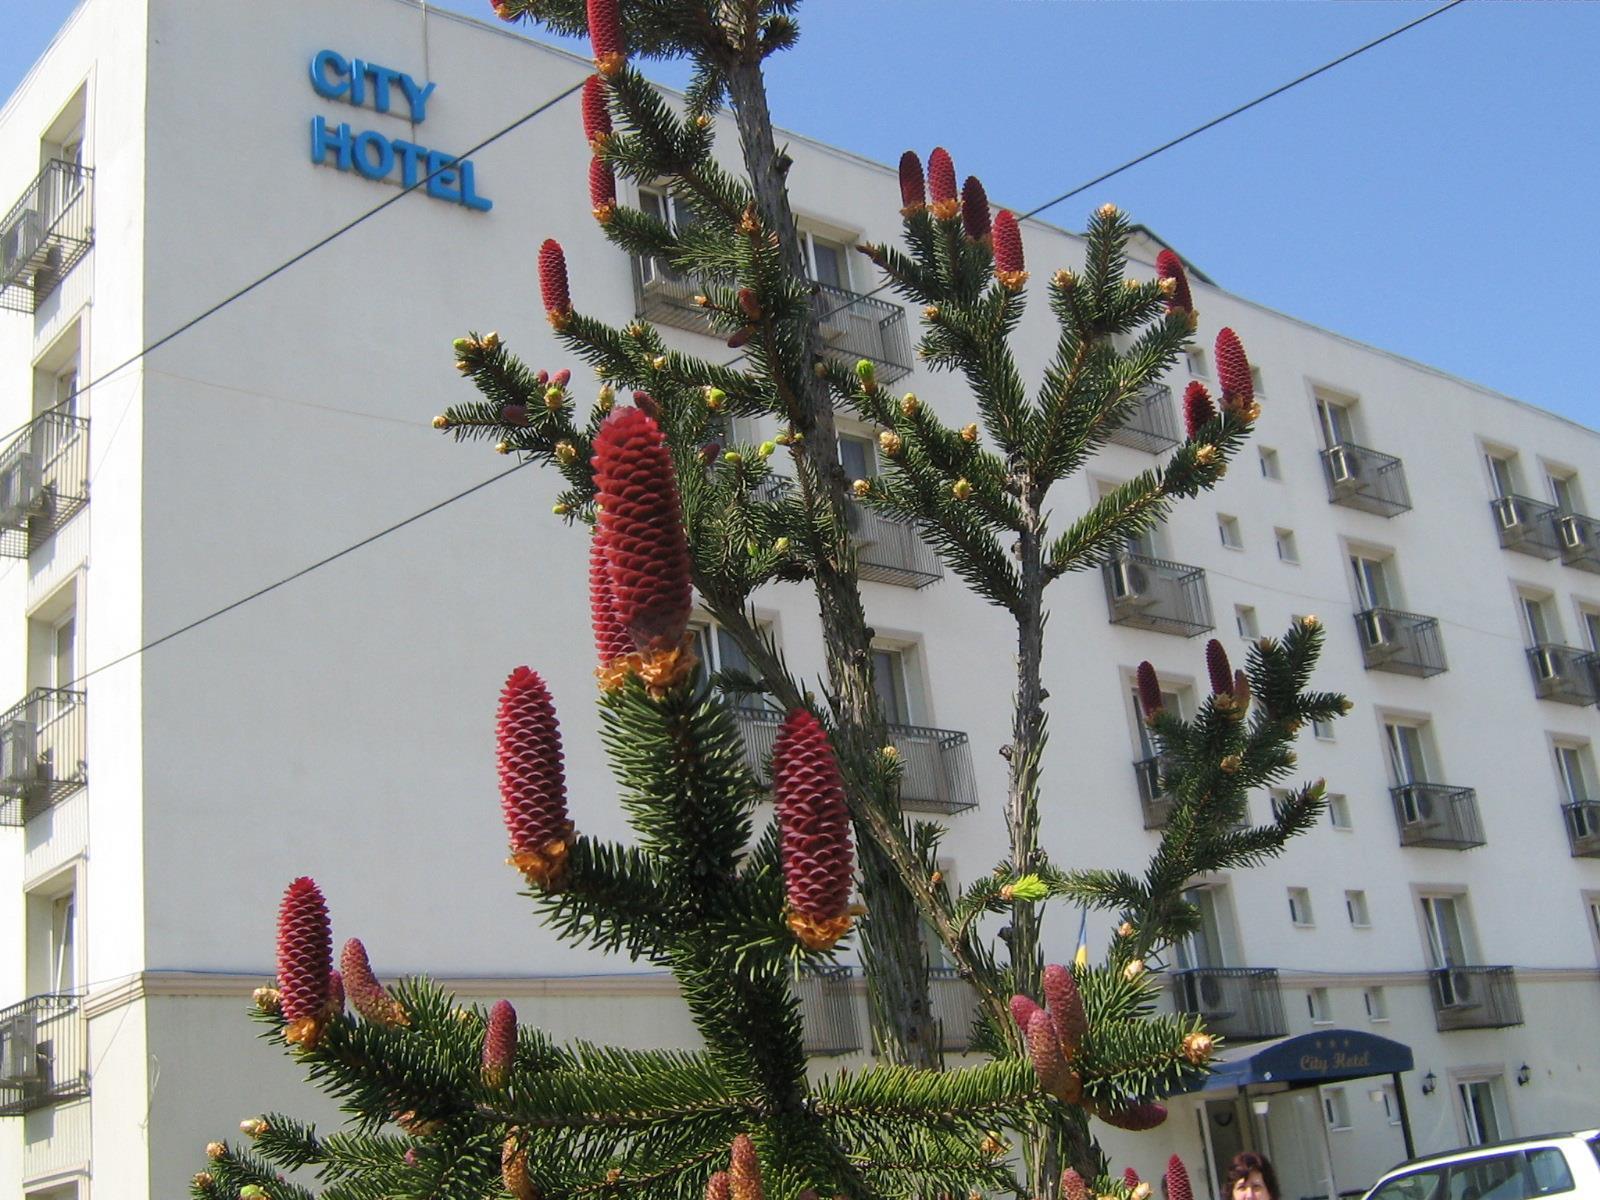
<point>1324,1057</point>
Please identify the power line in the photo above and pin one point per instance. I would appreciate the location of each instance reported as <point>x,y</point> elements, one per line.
<point>300,574</point>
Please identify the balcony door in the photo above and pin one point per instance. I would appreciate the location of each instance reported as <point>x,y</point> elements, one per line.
<point>1501,476</point>
<point>858,456</point>
<point>1335,423</point>
<point>1481,1111</point>
<point>889,681</point>
<point>827,261</point>
<point>677,216</point>
<point>1204,947</point>
<point>1408,761</point>
<point>1372,582</point>
<point>1535,622</point>
<point>1574,774</point>
<point>1446,931</point>
<point>1170,702</point>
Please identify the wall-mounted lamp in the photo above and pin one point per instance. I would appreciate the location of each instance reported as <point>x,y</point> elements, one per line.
<point>1260,1107</point>
<point>1429,1082</point>
<point>1524,1075</point>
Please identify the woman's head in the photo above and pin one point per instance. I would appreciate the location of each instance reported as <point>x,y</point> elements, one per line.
<point>1251,1177</point>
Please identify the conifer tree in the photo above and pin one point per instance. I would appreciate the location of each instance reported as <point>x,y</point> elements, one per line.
<point>452,1102</point>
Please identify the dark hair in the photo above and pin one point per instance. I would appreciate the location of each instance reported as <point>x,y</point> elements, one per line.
<point>1241,1166</point>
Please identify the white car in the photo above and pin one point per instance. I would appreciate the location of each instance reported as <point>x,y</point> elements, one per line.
<point>1557,1164</point>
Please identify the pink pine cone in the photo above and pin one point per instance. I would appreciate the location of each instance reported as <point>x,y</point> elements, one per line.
<point>596,113</point>
<point>1170,266</point>
<point>1065,1003</point>
<point>1022,1010</point>
<point>611,640</point>
<point>1008,259</point>
<point>913,191</point>
<point>499,1044</point>
<point>1073,1186</point>
<point>1178,1185</point>
<point>1044,1049</point>
<point>814,830</point>
<point>1219,668</point>
<point>1233,371</point>
<point>1136,1118</point>
<point>533,784</point>
<point>1149,690</point>
<point>367,996</point>
<point>1197,407</point>
<point>553,278</point>
<point>941,176</point>
<point>305,951</point>
<point>974,209</point>
<point>1130,1177</point>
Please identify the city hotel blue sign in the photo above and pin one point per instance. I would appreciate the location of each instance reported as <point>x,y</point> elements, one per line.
<point>371,154</point>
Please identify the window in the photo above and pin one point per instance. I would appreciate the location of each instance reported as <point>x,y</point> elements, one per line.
<point>1408,761</point>
<point>889,680</point>
<point>1255,382</point>
<point>1355,907</point>
<point>1245,618</point>
<point>1300,907</point>
<point>1270,466</point>
<point>1277,798</point>
<point>1445,926</point>
<point>1502,474</point>
<point>1339,812</point>
<point>1564,491</point>
<point>1286,547</point>
<point>1209,945</point>
<point>1391,1103</point>
<point>1592,903</point>
<point>827,261</point>
<point>858,456</point>
<point>678,216</point>
<point>1333,419</point>
<point>1575,772</point>
<point>52,937</point>
<point>1591,626</point>
<point>1371,576</point>
<point>1228,528</point>
<point>1537,620</point>
<point>1336,1107</point>
<point>1197,362</point>
<point>1322,730</point>
<point>1480,1111</point>
<point>1549,1169</point>
<point>719,652</point>
<point>63,944</point>
<point>1376,1004</point>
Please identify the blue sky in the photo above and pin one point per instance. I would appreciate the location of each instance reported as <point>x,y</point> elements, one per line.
<point>1432,197</point>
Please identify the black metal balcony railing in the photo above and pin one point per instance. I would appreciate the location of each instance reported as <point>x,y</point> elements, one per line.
<point>1475,998</point>
<point>828,1010</point>
<point>1526,525</point>
<point>852,326</point>
<point>43,1057</point>
<point>1155,803</point>
<point>1437,816</point>
<point>1366,479</point>
<point>936,764</point>
<point>44,480</point>
<point>1401,642</point>
<point>1564,674</point>
<point>955,1007</point>
<point>1583,827</point>
<point>1579,537</point>
<point>1242,1004</point>
<point>45,234</point>
<point>1152,425</point>
<point>1152,593</point>
<point>890,551</point>
<point>41,753</point>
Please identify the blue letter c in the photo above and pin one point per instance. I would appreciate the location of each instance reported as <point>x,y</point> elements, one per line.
<point>319,76</point>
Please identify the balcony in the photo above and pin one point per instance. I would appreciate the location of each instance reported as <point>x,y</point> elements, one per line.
<point>1400,642</point>
<point>1152,593</point>
<point>1580,541</point>
<point>1437,816</point>
<point>955,1007</point>
<point>42,1054</point>
<point>852,326</point>
<point>890,551</point>
<point>44,481</point>
<point>1527,526</point>
<point>1583,827</point>
<point>827,1010</point>
<point>1153,425</point>
<point>45,234</point>
<point>1156,804</point>
<point>1241,1004</point>
<point>1474,998</point>
<point>41,753</point>
<point>1563,674</point>
<point>936,774</point>
<point>1365,479</point>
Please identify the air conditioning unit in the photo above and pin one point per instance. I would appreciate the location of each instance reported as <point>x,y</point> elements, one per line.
<point>1130,585</point>
<point>1458,989</point>
<point>19,1059</point>
<point>21,491</point>
<point>1381,635</point>
<point>1572,533</point>
<point>17,244</point>
<point>19,765</point>
<point>1344,469</point>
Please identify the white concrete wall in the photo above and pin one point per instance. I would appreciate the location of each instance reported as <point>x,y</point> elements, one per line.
<point>342,727</point>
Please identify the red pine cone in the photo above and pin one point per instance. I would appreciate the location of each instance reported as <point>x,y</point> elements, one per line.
<point>1178,1185</point>
<point>562,377</point>
<point>1136,1118</point>
<point>335,994</point>
<point>305,958</point>
<point>941,176</point>
<point>553,279</point>
<point>1170,266</point>
<point>913,192</point>
<point>814,829</point>
<point>499,1044</point>
<point>1233,371</point>
<point>611,640</point>
<point>744,1170</point>
<point>1065,1003</point>
<point>1149,690</point>
<point>1219,668</point>
<point>596,112</point>
<point>1008,264</point>
<point>367,996</point>
<point>1130,1177</point>
<point>1072,1186</point>
<point>605,35</point>
<point>1022,1010</point>
<point>602,186</point>
<point>641,527</point>
<point>717,1186</point>
<point>533,785</point>
<point>974,209</point>
<point>1044,1048</point>
<point>1197,407</point>
<point>749,304</point>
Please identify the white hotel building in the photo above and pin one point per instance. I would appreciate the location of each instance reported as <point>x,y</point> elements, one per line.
<point>1444,922</point>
